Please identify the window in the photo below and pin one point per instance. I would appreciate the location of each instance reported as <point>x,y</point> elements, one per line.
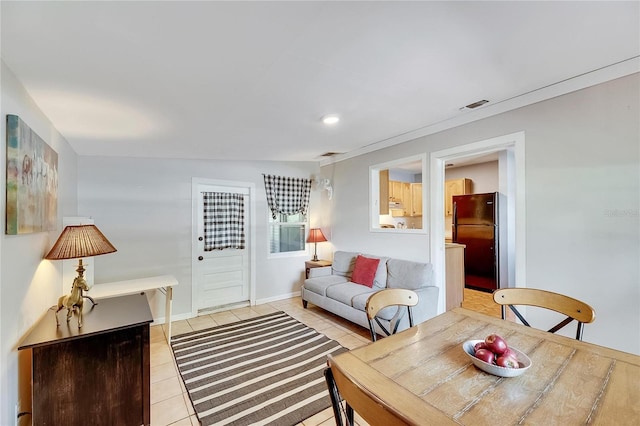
<point>287,233</point>
<point>398,195</point>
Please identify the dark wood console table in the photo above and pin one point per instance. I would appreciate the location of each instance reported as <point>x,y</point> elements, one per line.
<point>97,375</point>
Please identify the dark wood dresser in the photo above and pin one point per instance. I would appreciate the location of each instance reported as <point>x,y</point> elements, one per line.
<point>96,375</point>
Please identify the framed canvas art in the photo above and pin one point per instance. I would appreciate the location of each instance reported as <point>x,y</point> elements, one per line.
<point>32,181</point>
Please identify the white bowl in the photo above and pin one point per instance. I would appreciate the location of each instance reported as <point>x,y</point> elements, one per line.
<point>523,360</point>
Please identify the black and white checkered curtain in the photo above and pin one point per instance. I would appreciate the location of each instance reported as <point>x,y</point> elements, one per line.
<point>287,195</point>
<point>223,221</point>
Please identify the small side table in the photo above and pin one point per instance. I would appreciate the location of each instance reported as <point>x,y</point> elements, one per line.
<point>315,264</point>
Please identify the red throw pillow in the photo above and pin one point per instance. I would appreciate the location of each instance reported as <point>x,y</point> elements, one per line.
<point>365,270</point>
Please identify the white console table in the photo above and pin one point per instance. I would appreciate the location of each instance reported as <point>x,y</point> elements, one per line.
<point>164,283</point>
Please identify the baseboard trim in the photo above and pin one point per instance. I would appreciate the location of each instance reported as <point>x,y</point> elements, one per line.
<point>188,315</point>
<point>277,298</point>
<point>174,318</point>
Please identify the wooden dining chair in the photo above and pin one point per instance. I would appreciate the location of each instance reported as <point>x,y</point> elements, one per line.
<point>366,404</point>
<point>389,297</point>
<point>574,309</point>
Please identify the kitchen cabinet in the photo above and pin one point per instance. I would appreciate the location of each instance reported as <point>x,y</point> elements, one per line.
<point>455,187</point>
<point>384,191</point>
<point>406,198</point>
<point>416,199</point>
<point>395,191</point>
<point>454,273</point>
<point>396,195</point>
<point>408,195</point>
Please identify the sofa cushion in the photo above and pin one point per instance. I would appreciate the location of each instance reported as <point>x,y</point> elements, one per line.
<point>319,285</point>
<point>343,263</point>
<point>345,292</point>
<point>360,302</point>
<point>365,270</point>
<point>407,274</point>
<point>380,280</point>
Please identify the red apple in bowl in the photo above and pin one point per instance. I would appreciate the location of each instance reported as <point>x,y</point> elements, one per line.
<point>507,362</point>
<point>480,345</point>
<point>495,344</point>
<point>513,364</point>
<point>485,355</point>
<point>510,353</point>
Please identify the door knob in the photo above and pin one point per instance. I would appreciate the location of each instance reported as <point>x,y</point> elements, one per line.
<point>200,258</point>
<point>200,238</point>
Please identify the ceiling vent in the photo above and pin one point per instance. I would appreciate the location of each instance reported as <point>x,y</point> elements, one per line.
<point>475,104</point>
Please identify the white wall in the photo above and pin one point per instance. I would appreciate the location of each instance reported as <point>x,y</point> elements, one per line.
<point>143,206</point>
<point>483,175</point>
<point>582,201</point>
<point>29,285</point>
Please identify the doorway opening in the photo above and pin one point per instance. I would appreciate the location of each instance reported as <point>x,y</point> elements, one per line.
<point>511,186</point>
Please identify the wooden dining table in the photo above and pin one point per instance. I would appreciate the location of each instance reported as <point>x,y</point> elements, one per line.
<point>424,373</point>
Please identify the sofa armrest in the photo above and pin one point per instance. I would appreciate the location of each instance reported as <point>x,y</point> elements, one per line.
<point>427,306</point>
<point>322,271</point>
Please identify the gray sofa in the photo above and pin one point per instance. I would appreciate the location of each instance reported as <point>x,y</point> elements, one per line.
<point>331,289</point>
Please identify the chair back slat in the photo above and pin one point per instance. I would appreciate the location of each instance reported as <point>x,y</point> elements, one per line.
<point>389,297</point>
<point>574,309</point>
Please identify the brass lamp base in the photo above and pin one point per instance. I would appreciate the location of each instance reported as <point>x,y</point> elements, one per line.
<point>85,286</point>
<point>73,302</point>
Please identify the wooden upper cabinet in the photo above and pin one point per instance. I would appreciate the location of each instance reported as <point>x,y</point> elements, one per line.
<point>395,191</point>
<point>406,198</point>
<point>409,195</point>
<point>384,192</point>
<point>416,199</point>
<point>397,195</point>
<point>455,187</point>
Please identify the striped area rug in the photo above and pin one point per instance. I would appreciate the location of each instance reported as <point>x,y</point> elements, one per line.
<point>266,370</point>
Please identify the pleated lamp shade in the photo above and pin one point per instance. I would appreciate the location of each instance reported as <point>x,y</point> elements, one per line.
<point>316,236</point>
<point>77,241</point>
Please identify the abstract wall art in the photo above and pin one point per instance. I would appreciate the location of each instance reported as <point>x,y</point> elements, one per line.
<point>32,181</point>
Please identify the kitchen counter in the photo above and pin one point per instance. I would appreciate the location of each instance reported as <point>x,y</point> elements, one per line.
<point>454,273</point>
<point>449,245</point>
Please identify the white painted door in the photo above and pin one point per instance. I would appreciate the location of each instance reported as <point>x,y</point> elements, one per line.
<point>222,276</point>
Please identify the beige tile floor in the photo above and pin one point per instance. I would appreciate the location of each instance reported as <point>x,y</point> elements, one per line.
<point>170,403</point>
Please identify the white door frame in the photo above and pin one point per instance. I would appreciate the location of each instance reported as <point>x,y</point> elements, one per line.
<point>195,182</point>
<point>511,166</point>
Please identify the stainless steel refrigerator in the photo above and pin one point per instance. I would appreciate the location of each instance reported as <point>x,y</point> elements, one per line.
<point>475,224</point>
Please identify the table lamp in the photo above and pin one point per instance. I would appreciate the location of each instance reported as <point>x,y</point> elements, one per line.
<point>316,236</point>
<point>76,242</point>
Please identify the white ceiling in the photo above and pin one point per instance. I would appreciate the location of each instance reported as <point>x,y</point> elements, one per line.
<point>251,80</point>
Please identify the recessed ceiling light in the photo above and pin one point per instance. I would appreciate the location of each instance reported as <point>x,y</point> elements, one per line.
<point>330,119</point>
